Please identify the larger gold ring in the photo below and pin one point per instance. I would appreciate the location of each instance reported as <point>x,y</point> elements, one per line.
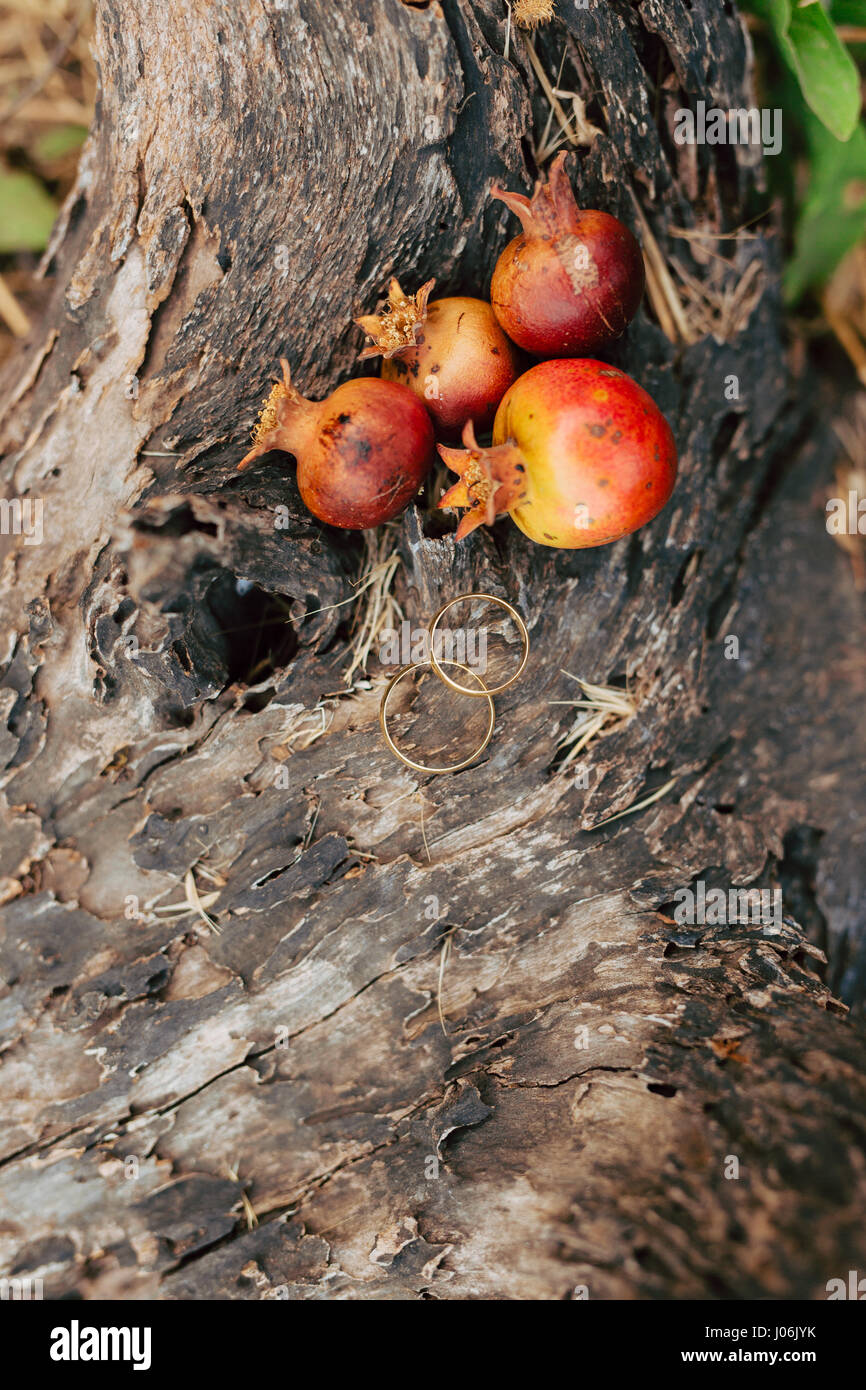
<point>488,690</point>
<point>420,767</point>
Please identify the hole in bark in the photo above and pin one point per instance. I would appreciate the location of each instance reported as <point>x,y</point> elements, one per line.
<point>633,565</point>
<point>662,1088</point>
<point>434,524</point>
<point>725,436</point>
<point>179,717</point>
<point>258,699</point>
<point>255,627</point>
<point>178,523</point>
<point>618,682</point>
<point>273,873</point>
<point>649,1260</point>
<point>674,952</point>
<point>79,207</point>
<point>798,874</point>
<point>686,573</point>
<point>718,609</point>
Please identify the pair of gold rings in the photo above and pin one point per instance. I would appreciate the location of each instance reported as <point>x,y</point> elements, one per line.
<point>436,664</point>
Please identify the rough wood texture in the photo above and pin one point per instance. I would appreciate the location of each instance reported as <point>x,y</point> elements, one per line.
<point>253,177</point>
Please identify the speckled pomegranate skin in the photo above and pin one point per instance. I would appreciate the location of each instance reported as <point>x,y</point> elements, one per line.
<point>568,293</point>
<point>600,458</point>
<point>368,454</point>
<point>574,277</point>
<point>461,365</point>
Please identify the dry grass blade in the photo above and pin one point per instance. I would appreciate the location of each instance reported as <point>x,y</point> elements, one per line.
<point>638,805</point>
<point>576,130</point>
<point>249,1210</point>
<point>699,235</point>
<point>380,609</point>
<point>444,957</point>
<point>600,710</point>
<point>42,77</point>
<point>196,903</point>
<point>183,909</point>
<point>11,311</point>
<point>423,828</point>
<point>306,726</point>
<point>661,289</point>
<point>721,305</point>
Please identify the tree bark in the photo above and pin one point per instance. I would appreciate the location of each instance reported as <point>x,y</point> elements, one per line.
<point>615,1104</point>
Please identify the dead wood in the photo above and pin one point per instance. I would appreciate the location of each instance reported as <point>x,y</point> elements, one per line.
<point>254,176</point>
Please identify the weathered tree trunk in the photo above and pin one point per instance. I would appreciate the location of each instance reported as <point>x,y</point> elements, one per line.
<point>254,175</point>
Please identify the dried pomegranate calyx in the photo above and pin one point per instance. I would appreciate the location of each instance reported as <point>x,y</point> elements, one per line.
<point>528,14</point>
<point>284,419</point>
<point>490,480</point>
<point>552,210</point>
<point>397,327</point>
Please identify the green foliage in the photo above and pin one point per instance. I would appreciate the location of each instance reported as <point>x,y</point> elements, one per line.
<point>58,141</point>
<point>822,114</point>
<point>27,212</point>
<point>832,218</point>
<point>848,11</point>
<point>814,52</point>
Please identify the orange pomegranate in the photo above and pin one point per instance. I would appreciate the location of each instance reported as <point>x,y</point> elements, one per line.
<point>572,280</point>
<point>451,352</point>
<point>581,455</point>
<point>362,453</point>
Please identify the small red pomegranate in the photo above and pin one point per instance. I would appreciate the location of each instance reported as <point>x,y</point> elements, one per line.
<point>572,280</point>
<point>362,454</point>
<point>581,456</point>
<point>452,353</point>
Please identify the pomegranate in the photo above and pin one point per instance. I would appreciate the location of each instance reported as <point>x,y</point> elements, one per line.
<point>452,353</point>
<point>581,456</point>
<point>572,280</point>
<point>362,454</point>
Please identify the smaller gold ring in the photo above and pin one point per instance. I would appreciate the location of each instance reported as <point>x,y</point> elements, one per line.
<point>488,690</point>
<point>420,767</point>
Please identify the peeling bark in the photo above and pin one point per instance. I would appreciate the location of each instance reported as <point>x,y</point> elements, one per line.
<point>251,181</point>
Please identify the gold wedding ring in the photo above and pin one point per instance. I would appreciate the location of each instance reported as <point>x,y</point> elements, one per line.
<point>383,716</point>
<point>487,690</point>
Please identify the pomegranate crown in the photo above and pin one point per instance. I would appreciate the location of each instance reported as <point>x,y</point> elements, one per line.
<point>398,325</point>
<point>490,480</point>
<point>281,413</point>
<point>551,210</point>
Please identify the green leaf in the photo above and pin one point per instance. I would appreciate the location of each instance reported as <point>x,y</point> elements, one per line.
<point>833,218</point>
<point>63,139</point>
<point>848,11</point>
<point>813,50</point>
<point>27,212</point>
<point>827,72</point>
